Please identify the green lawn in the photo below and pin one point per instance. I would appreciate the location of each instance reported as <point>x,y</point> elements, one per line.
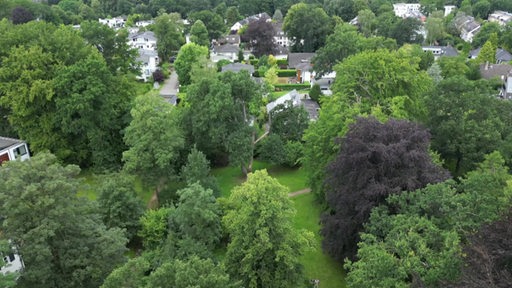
<point>90,182</point>
<point>229,177</point>
<point>317,265</point>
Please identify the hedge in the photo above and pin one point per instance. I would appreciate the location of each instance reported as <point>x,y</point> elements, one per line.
<point>253,62</point>
<point>287,73</point>
<point>282,62</point>
<point>290,87</point>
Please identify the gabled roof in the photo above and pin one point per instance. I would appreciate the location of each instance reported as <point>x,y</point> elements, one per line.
<point>8,142</point>
<point>501,54</point>
<point>294,59</point>
<point>311,107</point>
<point>146,34</point>
<point>444,50</point>
<point>488,71</point>
<point>292,97</point>
<point>237,67</point>
<point>227,48</point>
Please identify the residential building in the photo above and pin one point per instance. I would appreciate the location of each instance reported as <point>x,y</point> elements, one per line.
<point>503,72</point>
<point>405,10</point>
<point>280,37</point>
<point>467,26</point>
<point>13,149</point>
<point>232,39</point>
<point>143,41</point>
<point>237,67</point>
<point>502,56</point>
<point>13,263</point>
<point>302,63</point>
<point>501,17</point>
<point>148,60</point>
<point>291,98</point>
<point>144,23</point>
<point>226,52</point>
<point>114,23</point>
<point>235,27</point>
<point>441,51</point>
<point>448,9</point>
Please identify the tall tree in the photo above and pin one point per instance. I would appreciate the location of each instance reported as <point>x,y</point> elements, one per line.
<point>232,15</point>
<point>188,55</point>
<point>59,235</point>
<point>169,32</point>
<point>307,26</point>
<point>213,22</point>
<point>261,34</point>
<point>375,160</point>
<point>264,248</point>
<point>199,34</point>
<point>154,139</point>
<point>197,169</point>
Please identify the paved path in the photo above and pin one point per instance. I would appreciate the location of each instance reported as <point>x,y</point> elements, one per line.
<point>300,192</point>
<point>170,87</point>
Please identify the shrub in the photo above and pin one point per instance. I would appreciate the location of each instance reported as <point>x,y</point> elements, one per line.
<point>289,87</point>
<point>315,92</point>
<point>158,76</point>
<point>287,73</point>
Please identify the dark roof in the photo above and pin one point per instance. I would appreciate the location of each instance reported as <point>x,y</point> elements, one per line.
<point>312,107</point>
<point>237,67</point>
<point>228,48</point>
<point>294,59</point>
<point>445,50</point>
<point>488,71</point>
<point>281,50</point>
<point>232,39</point>
<point>501,54</point>
<point>8,142</point>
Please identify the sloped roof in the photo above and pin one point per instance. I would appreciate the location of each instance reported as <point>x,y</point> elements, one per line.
<point>146,34</point>
<point>227,48</point>
<point>292,96</point>
<point>501,54</point>
<point>488,71</point>
<point>145,55</point>
<point>294,59</point>
<point>8,142</point>
<point>237,67</point>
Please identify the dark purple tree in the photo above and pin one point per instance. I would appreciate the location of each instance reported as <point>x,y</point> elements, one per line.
<point>375,160</point>
<point>488,260</point>
<point>20,15</point>
<point>260,37</point>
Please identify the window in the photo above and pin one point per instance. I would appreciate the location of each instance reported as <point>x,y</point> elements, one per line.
<point>20,151</point>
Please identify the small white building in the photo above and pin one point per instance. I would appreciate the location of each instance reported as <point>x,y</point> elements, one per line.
<point>144,23</point>
<point>13,149</point>
<point>143,41</point>
<point>280,37</point>
<point>500,17</point>
<point>12,263</point>
<point>114,23</point>
<point>448,9</point>
<point>291,98</point>
<point>404,10</point>
<point>148,60</point>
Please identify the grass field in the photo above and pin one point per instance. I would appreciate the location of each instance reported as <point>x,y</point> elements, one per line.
<point>317,265</point>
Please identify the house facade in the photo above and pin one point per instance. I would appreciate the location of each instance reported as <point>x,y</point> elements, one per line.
<point>143,41</point>
<point>148,60</point>
<point>13,149</point>
<point>405,10</point>
<point>448,9</point>
<point>500,17</point>
<point>114,23</point>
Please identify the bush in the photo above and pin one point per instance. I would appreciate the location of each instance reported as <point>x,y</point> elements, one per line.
<point>282,62</point>
<point>315,92</point>
<point>222,63</point>
<point>158,76</point>
<point>289,87</point>
<point>287,73</point>
<point>253,62</point>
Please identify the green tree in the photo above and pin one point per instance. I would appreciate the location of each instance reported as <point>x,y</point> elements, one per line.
<point>197,169</point>
<point>119,204</point>
<point>154,139</point>
<point>188,55</point>
<point>366,19</point>
<point>435,30</point>
<point>155,227</point>
<point>130,275</point>
<point>278,16</point>
<point>264,249</point>
<point>169,33</point>
<point>199,34</point>
<point>232,15</point>
<point>307,26</point>
<point>486,30</point>
<point>289,122</point>
<point>59,235</point>
<point>315,92</point>
<point>213,22</point>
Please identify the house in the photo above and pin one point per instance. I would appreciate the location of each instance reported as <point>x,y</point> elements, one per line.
<point>406,10</point>
<point>281,52</point>
<point>501,17</point>
<point>280,37</point>
<point>312,108</point>
<point>143,41</point>
<point>13,149</point>
<point>114,23</point>
<point>237,67</point>
<point>232,39</point>
<point>291,98</point>
<point>148,60</point>
<point>13,263</point>
<point>441,51</point>
<point>325,83</point>
<point>467,26</point>
<point>238,25</point>
<point>302,63</point>
<point>503,72</point>
<point>227,52</point>
<point>502,56</point>
<point>448,9</point>
<point>144,23</point>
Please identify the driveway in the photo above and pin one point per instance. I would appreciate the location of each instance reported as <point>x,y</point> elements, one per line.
<point>170,88</point>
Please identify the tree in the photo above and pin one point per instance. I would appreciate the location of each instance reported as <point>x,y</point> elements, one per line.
<point>197,169</point>
<point>232,15</point>
<point>435,30</point>
<point>119,204</point>
<point>486,30</point>
<point>20,15</point>
<point>130,275</point>
<point>155,227</point>
<point>487,53</point>
<point>289,122</point>
<point>406,31</point>
<point>307,26</point>
<point>366,20</point>
<point>199,34</point>
<point>315,92</point>
<point>188,55</point>
<point>278,16</point>
<point>59,235</point>
<point>154,140</point>
<point>261,34</point>
<point>213,22</point>
<point>375,160</point>
<point>264,249</point>
<point>481,9</point>
<point>344,9</point>
<point>169,33</point>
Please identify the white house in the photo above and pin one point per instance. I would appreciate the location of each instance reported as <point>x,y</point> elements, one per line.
<point>148,60</point>
<point>13,149</point>
<point>235,27</point>
<point>280,37</point>
<point>224,52</point>
<point>12,263</point>
<point>145,40</point>
<point>291,98</point>
<point>114,23</point>
<point>501,17</point>
<point>144,23</point>
<point>440,51</point>
<point>404,10</point>
<point>448,9</point>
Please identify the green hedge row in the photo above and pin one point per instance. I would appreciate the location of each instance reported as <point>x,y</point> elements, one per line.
<point>289,87</point>
<point>280,73</point>
<point>282,62</point>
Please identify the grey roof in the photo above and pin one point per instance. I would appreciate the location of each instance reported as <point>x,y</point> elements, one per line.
<point>294,59</point>
<point>228,48</point>
<point>501,54</point>
<point>311,107</point>
<point>305,66</point>
<point>232,39</point>
<point>237,67</point>
<point>448,51</point>
<point>292,96</point>
<point>488,71</point>
<point>508,89</point>
<point>146,34</point>
<point>8,142</point>
<point>144,55</point>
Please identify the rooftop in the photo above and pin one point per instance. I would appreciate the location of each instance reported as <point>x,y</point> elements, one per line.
<point>294,59</point>
<point>237,67</point>
<point>7,142</point>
